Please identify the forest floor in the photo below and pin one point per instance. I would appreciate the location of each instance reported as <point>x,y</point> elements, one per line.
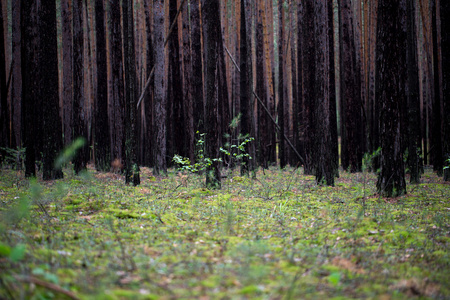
<point>280,236</point>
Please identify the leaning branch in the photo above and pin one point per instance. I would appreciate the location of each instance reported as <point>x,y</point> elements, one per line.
<point>268,112</point>
<point>165,43</point>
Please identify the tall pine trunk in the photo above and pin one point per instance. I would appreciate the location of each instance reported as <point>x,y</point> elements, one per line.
<point>102,146</point>
<point>131,164</point>
<point>390,80</point>
<point>79,113</point>
<point>160,100</point>
<point>211,30</point>
<point>51,122</point>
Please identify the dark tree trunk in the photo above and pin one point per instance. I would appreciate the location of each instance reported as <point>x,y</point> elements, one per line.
<point>211,29</point>
<point>281,86</point>
<point>324,167</point>
<point>373,135</point>
<point>148,102</point>
<point>390,80</point>
<point>413,104</point>
<point>188,90</point>
<point>175,124</point>
<point>332,95</point>
<point>51,122</point>
<point>131,165</point>
<point>293,159</point>
<point>4,111</point>
<point>299,120</point>
<point>261,91</point>
<point>160,100</point>
<point>351,102</point>
<point>79,113</point>
<point>31,84</point>
<point>67,77</point>
<point>308,97</point>
<point>102,146</point>
<point>436,119</point>
<point>445,46</point>
<point>117,113</point>
<point>16,80</point>
<point>246,82</point>
<point>197,67</point>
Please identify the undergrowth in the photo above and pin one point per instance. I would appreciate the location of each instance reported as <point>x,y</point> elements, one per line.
<point>279,236</point>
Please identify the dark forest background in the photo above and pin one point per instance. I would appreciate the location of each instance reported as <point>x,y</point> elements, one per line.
<point>316,83</point>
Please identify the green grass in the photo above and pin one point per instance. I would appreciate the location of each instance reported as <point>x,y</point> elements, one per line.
<point>277,237</point>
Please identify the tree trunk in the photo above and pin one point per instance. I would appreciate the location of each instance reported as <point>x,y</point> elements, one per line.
<point>324,167</point>
<point>308,97</point>
<point>16,80</point>
<point>281,85</point>
<point>332,95</point>
<point>67,80</point>
<point>350,88</point>
<point>4,111</point>
<point>391,76</point>
<point>211,30</point>
<point>246,83</point>
<point>102,146</point>
<point>148,102</point>
<point>436,120</point>
<point>117,104</point>
<point>445,46</point>
<point>160,99</point>
<point>261,88</point>
<point>197,67</point>
<point>51,122</point>
<point>131,165</point>
<point>79,113</point>
<point>31,84</point>
<point>188,90</point>
<point>413,101</point>
<point>175,124</point>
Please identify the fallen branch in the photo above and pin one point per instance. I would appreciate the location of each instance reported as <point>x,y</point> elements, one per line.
<point>47,285</point>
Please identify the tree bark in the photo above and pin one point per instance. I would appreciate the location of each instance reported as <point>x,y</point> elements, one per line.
<point>160,100</point>
<point>4,111</point>
<point>79,113</point>
<point>436,119</point>
<point>445,44</point>
<point>281,85</point>
<point>211,30</point>
<point>175,124</point>
<point>31,84</point>
<point>102,146</point>
<point>323,158</point>
<point>131,164</point>
<point>51,122</point>
<point>67,80</point>
<point>246,83</point>
<point>309,67</point>
<point>391,76</point>
<point>197,67</point>
<point>350,88</point>
<point>16,80</point>
<point>413,101</point>
<point>188,90</point>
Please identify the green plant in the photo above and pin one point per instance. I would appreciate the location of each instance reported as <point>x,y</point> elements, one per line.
<point>202,162</point>
<point>14,157</point>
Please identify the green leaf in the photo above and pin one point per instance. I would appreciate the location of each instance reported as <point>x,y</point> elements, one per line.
<point>18,253</point>
<point>5,250</point>
<point>334,278</point>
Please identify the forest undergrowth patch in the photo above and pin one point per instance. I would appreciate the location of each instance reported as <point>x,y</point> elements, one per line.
<point>279,236</point>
